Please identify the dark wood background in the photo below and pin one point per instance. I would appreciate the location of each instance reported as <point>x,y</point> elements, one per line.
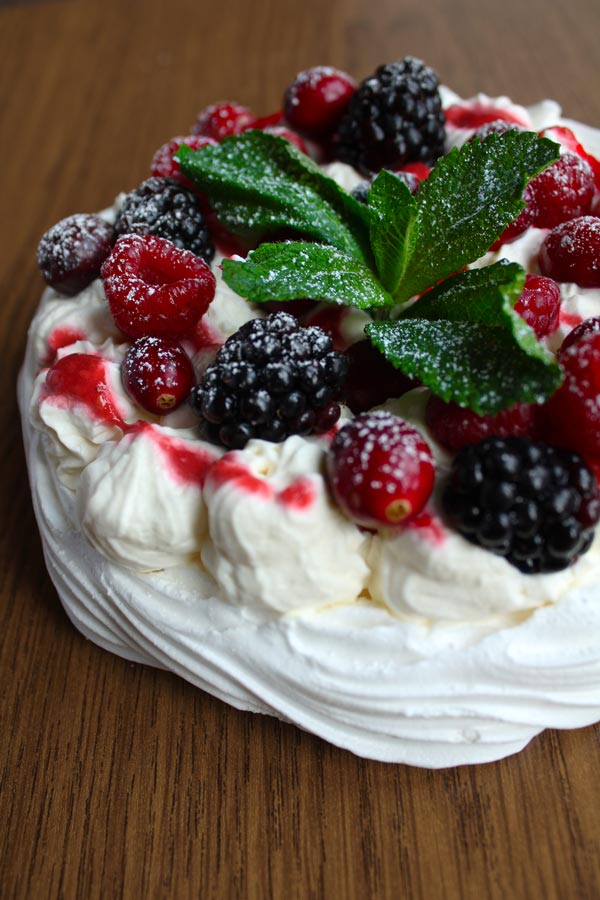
<point>122,781</point>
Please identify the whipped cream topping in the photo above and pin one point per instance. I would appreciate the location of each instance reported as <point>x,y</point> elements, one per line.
<point>238,572</point>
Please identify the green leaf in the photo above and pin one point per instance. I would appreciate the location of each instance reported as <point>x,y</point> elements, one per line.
<point>479,366</point>
<point>258,184</point>
<point>471,195</point>
<point>296,269</point>
<point>394,227</point>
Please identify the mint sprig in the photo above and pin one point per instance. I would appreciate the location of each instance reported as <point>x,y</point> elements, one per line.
<point>462,338</point>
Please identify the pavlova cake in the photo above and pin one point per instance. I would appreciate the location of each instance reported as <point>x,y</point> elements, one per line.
<point>312,415</point>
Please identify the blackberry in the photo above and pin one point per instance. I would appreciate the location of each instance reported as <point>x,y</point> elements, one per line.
<point>270,379</point>
<point>532,503</point>
<point>393,118</point>
<point>167,209</point>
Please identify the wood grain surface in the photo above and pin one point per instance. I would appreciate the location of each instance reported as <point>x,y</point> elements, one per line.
<point>118,780</point>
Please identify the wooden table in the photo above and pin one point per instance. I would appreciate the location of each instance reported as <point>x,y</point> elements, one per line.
<point>123,781</point>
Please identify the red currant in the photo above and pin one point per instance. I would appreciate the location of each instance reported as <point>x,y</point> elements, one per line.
<point>571,252</point>
<point>153,288</point>
<point>316,100</point>
<point>588,326</point>
<point>455,427</point>
<point>539,304</point>
<point>223,119</point>
<point>157,374</point>
<point>572,414</point>
<point>381,470</point>
<point>563,191</point>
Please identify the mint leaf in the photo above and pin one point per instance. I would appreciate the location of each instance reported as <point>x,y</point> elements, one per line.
<point>258,183</point>
<point>479,366</point>
<point>464,340</point>
<point>394,227</point>
<point>466,202</point>
<point>296,269</point>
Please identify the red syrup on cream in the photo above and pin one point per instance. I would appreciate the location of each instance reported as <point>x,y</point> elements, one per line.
<point>470,116</point>
<point>429,527</point>
<point>185,463</point>
<point>299,495</point>
<point>62,336</point>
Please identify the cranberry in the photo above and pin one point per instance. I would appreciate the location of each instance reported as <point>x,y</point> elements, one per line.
<point>223,119</point>
<point>371,379</point>
<point>455,427</point>
<point>381,470</point>
<point>563,191</point>
<point>153,288</point>
<point>316,100</point>
<point>588,326</point>
<point>157,374</point>
<point>71,253</point>
<point>571,252</point>
<point>572,414</point>
<point>523,221</point>
<point>164,166</point>
<point>539,304</point>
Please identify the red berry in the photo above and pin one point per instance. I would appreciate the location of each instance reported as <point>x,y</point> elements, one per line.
<point>157,374</point>
<point>539,304</point>
<point>291,136</point>
<point>523,221</point>
<point>223,119</point>
<point>454,427</point>
<point>273,119</point>
<point>71,253</point>
<point>164,166</point>
<point>571,252</point>
<point>316,100</point>
<point>420,170</point>
<point>572,414</point>
<point>563,191</point>
<point>588,326</point>
<point>381,470</point>
<point>565,137</point>
<point>153,288</point>
<point>371,379</point>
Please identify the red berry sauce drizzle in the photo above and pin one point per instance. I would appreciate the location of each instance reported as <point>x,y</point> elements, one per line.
<point>299,495</point>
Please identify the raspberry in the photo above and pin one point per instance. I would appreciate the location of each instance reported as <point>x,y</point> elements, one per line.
<point>157,374</point>
<point>164,166</point>
<point>524,220</point>
<point>71,253</point>
<point>455,427</point>
<point>539,304</point>
<point>380,469</point>
<point>588,326</point>
<point>167,209</point>
<point>393,118</point>
<point>223,119</point>
<point>372,379</point>
<point>270,379</point>
<point>572,414</point>
<point>571,252</point>
<point>534,504</point>
<point>316,100</point>
<point>563,191</point>
<point>155,289</point>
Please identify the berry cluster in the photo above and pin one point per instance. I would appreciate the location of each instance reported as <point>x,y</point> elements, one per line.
<point>271,379</point>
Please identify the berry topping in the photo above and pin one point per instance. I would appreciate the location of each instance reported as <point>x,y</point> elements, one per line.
<point>372,379</point>
<point>164,166</point>
<point>588,326</point>
<point>157,374</point>
<point>381,470</point>
<point>497,126</point>
<point>455,427</point>
<point>525,218</point>
<point>534,504</point>
<point>539,304</point>
<point>270,379</point>
<point>393,118</point>
<point>167,209</point>
<point>291,136</point>
<point>563,191</point>
<point>153,288</point>
<point>571,252</point>
<point>71,253</point>
<point>572,414</point>
<point>223,119</point>
<point>467,116</point>
<point>316,100</point>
